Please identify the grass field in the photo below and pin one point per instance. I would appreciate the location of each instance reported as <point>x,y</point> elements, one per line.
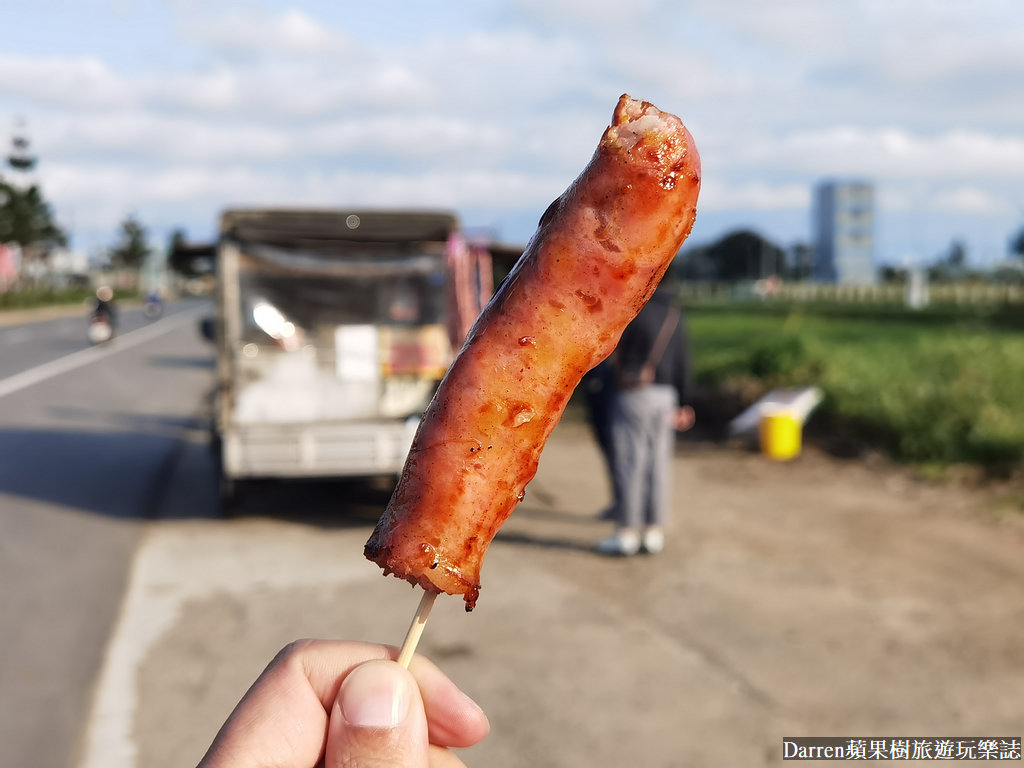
<point>52,297</point>
<point>43,297</point>
<point>942,385</point>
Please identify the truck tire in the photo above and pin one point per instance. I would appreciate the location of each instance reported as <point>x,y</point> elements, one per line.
<point>228,488</point>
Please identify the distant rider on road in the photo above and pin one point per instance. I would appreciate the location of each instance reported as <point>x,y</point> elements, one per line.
<point>104,306</point>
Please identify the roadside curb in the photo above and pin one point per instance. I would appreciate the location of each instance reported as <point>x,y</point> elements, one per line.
<point>55,312</point>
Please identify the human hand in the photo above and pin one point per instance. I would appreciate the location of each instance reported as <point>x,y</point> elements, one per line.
<point>343,704</point>
<point>683,418</point>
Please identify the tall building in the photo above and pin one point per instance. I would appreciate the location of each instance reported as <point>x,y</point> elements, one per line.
<point>844,226</point>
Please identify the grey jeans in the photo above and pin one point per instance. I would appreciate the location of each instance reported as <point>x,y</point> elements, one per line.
<point>644,440</point>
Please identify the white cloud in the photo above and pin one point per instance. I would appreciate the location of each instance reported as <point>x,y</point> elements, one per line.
<point>907,37</point>
<point>790,25</point>
<point>120,188</point>
<point>683,75</point>
<point>758,196</point>
<point>71,81</point>
<point>912,197</point>
<point>102,195</point>
<point>261,32</point>
<point>425,139</point>
<point>506,190</point>
<point>505,70</point>
<point>292,89</point>
<point>942,40</point>
<point>420,136</point>
<point>873,61</point>
<point>887,153</point>
<point>970,200</point>
<point>302,105</point>
<point>153,138</point>
<point>219,90</point>
<point>598,13</point>
<point>278,89</point>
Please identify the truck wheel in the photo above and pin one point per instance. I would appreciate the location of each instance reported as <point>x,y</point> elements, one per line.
<point>230,501</point>
<point>228,488</point>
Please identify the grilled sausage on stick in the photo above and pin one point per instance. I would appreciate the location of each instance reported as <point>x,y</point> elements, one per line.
<point>596,258</point>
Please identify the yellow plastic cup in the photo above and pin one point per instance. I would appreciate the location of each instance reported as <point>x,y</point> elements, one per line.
<point>780,434</point>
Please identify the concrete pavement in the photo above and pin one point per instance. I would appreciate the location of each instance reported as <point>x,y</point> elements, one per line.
<point>812,598</point>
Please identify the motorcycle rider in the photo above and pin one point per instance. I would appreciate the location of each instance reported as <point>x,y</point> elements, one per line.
<point>104,309</point>
<point>154,305</point>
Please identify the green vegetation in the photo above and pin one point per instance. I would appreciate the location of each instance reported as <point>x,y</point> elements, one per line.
<point>32,298</point>
<point>942,385</point>
<point>29,298</point>
<point>132,247</point>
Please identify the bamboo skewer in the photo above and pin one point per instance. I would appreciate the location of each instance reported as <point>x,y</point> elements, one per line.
<point>412,637</point>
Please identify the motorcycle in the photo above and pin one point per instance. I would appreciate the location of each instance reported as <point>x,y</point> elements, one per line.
<point>154,307</point>
<point>101,330</point>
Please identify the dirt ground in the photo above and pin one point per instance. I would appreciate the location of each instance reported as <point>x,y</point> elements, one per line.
<point>817,597</point>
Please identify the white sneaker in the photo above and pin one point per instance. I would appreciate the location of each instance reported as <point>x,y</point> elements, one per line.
<point>625,542</point>
<point>654,540</point>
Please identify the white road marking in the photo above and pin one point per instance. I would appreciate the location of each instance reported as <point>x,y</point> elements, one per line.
<point>86,356</point>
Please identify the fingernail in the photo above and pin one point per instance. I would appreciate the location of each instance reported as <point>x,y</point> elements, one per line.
<point>375,695</point>
<point>472,703</point>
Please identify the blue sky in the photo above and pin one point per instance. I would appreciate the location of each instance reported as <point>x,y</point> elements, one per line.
<point>175,110</point>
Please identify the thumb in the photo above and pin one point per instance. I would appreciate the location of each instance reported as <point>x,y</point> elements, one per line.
<point>377,720</point>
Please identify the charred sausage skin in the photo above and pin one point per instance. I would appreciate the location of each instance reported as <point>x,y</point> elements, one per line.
<point>597,256</point>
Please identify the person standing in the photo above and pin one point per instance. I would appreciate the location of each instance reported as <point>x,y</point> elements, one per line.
<point>654,376</point>
<point>599,390</point>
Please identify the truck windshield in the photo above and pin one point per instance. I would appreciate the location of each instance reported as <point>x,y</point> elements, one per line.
<point>399,290</point>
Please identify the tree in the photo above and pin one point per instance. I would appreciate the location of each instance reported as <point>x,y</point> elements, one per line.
<point>179,241</point>
<point>952,266</point>
<point>802,264</point>
<point>893,275</point>
<point>1017,245</point>
<point>957,254</point>
<point>26,219</point>
<point>132,247</point>
<point>741,255</point>
<point>190,259</point>
<point>25,216</point>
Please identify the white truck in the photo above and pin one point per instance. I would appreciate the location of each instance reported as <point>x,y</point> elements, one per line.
<point>333,329</point>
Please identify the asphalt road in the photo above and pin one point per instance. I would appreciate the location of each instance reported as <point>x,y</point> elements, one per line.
<point>87,436</point>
